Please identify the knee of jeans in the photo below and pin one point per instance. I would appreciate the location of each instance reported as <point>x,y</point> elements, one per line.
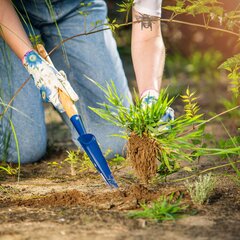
<point>34,154</point>
<point>113,146</point>
<point>28,154</point>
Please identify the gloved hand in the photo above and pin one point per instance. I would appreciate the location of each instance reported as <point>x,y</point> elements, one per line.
<point>151,97</point>
<point>48,80</point>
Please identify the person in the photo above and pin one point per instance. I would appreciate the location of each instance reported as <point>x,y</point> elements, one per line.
<point>147,39</point>
<point>148,52</point>
<point>93,55</point>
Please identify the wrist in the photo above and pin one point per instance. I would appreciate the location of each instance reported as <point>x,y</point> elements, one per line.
<point>25,52</point>
<point>149,92</point>
<point>31,59</point>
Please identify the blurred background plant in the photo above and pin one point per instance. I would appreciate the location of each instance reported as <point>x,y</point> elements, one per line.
<point>194,50</point>
<point>232,65</point>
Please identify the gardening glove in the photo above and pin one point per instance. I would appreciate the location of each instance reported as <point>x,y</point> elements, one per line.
<point>148,99</point>
<point>48,80</point>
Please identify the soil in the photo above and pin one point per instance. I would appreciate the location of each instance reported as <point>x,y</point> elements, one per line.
<point>142,153</point>
<point>49,203</point>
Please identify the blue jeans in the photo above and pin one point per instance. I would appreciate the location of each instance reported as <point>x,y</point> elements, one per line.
<point>93,55</point>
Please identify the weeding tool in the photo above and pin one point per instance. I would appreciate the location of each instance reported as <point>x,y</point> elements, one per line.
<point>87,140</point>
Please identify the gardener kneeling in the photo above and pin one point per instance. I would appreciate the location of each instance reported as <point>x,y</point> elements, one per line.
<point>94,56</point>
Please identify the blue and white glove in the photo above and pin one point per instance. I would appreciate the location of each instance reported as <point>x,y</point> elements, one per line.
<point>48,80</point>
<point>150,97</point>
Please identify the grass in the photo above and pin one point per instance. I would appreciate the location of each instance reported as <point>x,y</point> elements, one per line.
<point>202,188</point>
<point>164,209</point>
<point>5,146</point>
<point>8,169</point>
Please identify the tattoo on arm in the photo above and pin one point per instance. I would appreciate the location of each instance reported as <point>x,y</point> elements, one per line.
<point>146,20</point>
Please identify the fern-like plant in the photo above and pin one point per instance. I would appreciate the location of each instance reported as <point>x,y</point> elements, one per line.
<point>191,107</point>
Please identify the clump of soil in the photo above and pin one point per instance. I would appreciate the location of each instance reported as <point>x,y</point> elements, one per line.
<point>142,153</point>
<point>126,199</point>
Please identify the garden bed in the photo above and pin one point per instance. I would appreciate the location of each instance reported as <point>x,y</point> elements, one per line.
<point>49,204</point>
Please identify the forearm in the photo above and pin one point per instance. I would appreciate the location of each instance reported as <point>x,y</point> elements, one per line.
<point>148,53</point>
<point>12,30</point>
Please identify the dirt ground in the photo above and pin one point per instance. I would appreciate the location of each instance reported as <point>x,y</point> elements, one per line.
<point>48,203</point>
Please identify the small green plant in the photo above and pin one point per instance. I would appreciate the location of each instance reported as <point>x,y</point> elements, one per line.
<point>202,188</point>
<point>191,107</point>
<point>73,158</point>
<point>55,165</point>
<point>86,163</point>
<point>79,161</point>
<point>117,160</point>
<point>162,210</point>
<point>8,169</point>
<point>7,130</point>
<point>135,118</point>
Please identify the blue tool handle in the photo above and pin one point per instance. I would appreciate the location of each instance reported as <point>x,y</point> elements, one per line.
<point>78,124</point>
<point>91,147</point>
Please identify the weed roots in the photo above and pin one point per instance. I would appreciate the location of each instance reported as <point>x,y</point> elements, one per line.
<point>142,153</point>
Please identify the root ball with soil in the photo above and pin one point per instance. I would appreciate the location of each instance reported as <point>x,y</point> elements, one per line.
<point>142,153</point>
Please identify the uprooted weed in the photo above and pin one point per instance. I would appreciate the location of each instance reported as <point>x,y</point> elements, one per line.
<point>152,140</point>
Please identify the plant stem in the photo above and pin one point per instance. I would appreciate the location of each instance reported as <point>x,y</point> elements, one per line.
<point>13,97</point>
<point>73,172</point>
<point>169,20</point>
<point>204,171</point>
<point>207,27</point>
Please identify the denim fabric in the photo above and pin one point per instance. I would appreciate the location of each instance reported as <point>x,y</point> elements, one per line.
<point>94,55</point>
